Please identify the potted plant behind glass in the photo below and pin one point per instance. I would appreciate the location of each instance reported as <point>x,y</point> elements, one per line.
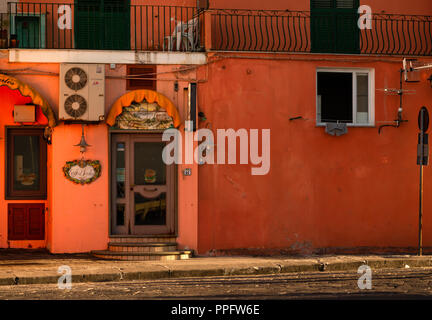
<point>14,42</point>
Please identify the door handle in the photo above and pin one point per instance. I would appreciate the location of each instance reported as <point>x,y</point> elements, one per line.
<point>132,187</point>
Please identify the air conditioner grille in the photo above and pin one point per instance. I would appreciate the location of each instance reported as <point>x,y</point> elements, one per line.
<point>76,78</point>
<point>75,106</point>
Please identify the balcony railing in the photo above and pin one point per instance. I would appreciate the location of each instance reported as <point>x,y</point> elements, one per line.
<point>301,31</point>
<point>177,28</point>
<point>111,27</point>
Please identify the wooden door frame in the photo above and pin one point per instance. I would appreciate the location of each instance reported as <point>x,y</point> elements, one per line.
<point>156,135</point>
<point>40,194</point>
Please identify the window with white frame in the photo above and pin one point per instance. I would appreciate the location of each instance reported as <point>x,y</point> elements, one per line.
<point>345,96</point>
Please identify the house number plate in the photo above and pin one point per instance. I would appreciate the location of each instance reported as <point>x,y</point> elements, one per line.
<point>82,171</point>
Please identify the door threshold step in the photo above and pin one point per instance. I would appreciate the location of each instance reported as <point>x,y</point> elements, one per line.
<point>141,253</point>
<point>142,256</point>
<point>142,244</point>
<point>143,236</point>
<point>146,239</point>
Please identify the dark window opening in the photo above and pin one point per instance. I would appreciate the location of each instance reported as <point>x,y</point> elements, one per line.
<point>335,102</point>
<point>345,96</point>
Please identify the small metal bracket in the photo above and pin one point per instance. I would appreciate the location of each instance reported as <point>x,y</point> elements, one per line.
<point>187,172</point>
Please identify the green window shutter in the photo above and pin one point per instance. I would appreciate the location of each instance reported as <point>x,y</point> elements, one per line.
<point>88,24</point>
<point>102,24</point>
<point>117,24</point>
<point>347,33</point>
<point>334,26</point>
<point>323,25</point>
<point>322,4</point>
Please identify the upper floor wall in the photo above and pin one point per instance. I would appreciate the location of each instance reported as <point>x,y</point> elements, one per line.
<point>307,26</point>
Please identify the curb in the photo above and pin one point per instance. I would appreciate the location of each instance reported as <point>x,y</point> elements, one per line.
<point>218,271</point>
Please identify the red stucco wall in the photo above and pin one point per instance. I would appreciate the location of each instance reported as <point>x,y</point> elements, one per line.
<point>77,219</point>
<point>322,192</point>
<point>357,190</point>
<point>8,98</point>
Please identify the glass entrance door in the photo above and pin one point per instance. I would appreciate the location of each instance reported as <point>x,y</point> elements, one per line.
<point>142,186</point>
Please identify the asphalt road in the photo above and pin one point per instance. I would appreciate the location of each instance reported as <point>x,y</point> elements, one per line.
<point>415,283</point>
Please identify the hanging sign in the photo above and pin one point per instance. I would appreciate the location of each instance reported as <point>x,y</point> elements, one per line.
<point>82,171</point>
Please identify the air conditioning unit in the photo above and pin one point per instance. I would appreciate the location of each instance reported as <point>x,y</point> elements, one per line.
<point>82,92</point>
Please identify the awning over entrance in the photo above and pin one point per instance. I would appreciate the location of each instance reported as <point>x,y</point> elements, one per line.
<point>27,91</point>
<point>138,96</point>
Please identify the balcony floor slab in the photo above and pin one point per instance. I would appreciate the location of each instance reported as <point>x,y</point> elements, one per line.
<point>106,56</point>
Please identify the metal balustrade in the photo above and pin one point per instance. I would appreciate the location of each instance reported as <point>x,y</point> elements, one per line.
<point>105,26</point>
<point>37,25</point>
<point>301,31</point>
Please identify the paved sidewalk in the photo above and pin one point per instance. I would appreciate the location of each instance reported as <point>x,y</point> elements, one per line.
<point>23,267</point>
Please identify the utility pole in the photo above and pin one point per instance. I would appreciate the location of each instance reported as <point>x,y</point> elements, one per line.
<point>422,160</point>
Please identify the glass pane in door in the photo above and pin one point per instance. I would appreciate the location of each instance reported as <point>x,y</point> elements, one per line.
<point>120,169</point>
<point>150,211</point>
<point>148,165</point>
<point>120,221</point>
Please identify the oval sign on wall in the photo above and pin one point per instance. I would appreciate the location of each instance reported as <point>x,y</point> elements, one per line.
<point>82,171</point>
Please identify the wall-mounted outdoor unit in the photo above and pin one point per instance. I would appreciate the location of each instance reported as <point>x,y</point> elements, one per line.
<point>24,113</point>
<point>82,92</point>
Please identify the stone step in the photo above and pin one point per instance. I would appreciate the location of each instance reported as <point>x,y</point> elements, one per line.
<point>142,247</point>
<point>142,256</point>
<point>143,239</point>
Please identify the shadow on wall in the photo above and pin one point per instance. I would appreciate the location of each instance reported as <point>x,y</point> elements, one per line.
<point>38,254</point>
<point>305,249</point>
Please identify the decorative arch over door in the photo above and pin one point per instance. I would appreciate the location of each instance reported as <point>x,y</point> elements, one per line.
<point>28,91</point>
<point>147,101</point>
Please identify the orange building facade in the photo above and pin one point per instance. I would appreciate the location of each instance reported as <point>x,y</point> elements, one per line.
<point>343,139</point>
